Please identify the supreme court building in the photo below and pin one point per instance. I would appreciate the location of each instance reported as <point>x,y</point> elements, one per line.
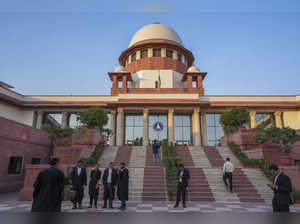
<point>156,93</point>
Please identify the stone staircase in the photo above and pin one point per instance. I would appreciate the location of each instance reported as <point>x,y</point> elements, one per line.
<point>214,177</point>
<point>225,153</point>
<point>154,184</point>
<point>185,156</point>
<point>138,156</point>
<point>147,181</point>
<point>198,156</point>
<point>199,189</point>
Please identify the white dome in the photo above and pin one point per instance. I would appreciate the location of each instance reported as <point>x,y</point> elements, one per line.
<point>193,69</point>
<point>120,69</point>
<point>155,31</point>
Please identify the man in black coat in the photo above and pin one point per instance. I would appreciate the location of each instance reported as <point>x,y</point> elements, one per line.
<point>48,189</point>
<point>282,188</point>
<point>183,181</point>
<point>94,186</point>
<point>109,180</point>
<point>79,180</point>
<point>122,193</point>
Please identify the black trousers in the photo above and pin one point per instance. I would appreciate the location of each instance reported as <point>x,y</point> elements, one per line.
<point>228,176</point>
<point>181,190</point>
<point>79,194</point>
<point>94,193</point>
<point>277,207</point>
<point>109,193</point>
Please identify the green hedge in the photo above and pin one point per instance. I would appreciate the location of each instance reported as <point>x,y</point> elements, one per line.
<point>171,162</point>
<point>263,164</point>
<point>95,154</point>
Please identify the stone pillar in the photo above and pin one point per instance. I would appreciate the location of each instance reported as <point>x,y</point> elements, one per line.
<point>115,82</point>
<point>120,127</point>
<point>196,127</point>
<point>124,83</point>
<point>64,119</point>
<point>150,52</point>
<point>278,121</point>
<point>164,52</point>
<point>252,119</point>
<point>204,130</point>
<point>39,120</point>
<point>113,126</point>
<point>145,128</point>
<point>138,55</point>
<point>171,125</point>
<point>189,82</point>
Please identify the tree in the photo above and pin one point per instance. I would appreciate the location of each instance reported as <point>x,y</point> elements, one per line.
<point>232,118</point>
<point>94,118</point>
<point>283,137</point>
<point>56,133</point>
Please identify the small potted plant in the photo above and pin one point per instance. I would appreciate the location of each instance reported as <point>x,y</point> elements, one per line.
<point>296,196</point>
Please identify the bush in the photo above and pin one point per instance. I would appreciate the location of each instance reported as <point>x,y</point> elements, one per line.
<point>171,162</point>
<point>283,137</point>
<point>263,164</point>
<point>296,195</point>
<point>56,133</point>
<point>95,154</point>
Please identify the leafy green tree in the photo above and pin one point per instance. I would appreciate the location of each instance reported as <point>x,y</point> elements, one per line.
<point>232,118</point>
<point>94,118</point>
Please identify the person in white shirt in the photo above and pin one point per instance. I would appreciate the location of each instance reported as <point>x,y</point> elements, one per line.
<point>227,173</point>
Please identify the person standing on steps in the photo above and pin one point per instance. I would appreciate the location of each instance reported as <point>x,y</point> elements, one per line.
<point>94,186</point>
<point>48,189</point>
<point>79,180</point>
<point>109,180</point>
<point>282,188</point>
<point>155,150</point>
<point>183,181</point>
<point>227,173</point>
<point>123,175</point>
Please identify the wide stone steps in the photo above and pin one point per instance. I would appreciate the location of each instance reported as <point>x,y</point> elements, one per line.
<point>138,157</point>
<point>108,155</point>
<point>154,179</point>
<point>198,156</point>
<point>185,156</point>
<point>213,156</point>
<point>225,152</point>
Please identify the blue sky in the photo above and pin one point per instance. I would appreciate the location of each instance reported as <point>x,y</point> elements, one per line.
<point>67,47</point>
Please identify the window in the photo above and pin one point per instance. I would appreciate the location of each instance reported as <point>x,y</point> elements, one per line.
<point>120,84</point>
<point>53,118</point>
<point>144,53</point>
<point>133,128</point>
<point>35,160</point>
<point>15,165</point>
<point>169,53</point>
<point>182,128</point>
<point>73,121</point>
<point>179,57</point>
<point>214,128</point>
<point>156,52</point>
<point>133,57</point>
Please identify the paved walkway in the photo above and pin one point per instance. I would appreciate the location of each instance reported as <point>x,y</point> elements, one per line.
<point>158,207</point>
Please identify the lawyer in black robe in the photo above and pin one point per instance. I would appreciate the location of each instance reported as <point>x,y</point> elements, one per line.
<point>122,192</point>
<point>79,180</point>
<point>48,189</point>
<point>93,186</point>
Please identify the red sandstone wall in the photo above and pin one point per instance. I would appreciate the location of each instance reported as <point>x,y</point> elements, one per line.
<point>19,140</point>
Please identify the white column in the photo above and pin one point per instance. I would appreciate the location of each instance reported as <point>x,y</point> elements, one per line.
<point>113,126</point>
<point>120,127</point>
<point>252,119</point>
<point>39,119</point>
<point>145,128</point>
<point>64,119</point>
<point>278,121</point>
<point>204,129</point>
<point>196,127</point>
<point>171,125</point>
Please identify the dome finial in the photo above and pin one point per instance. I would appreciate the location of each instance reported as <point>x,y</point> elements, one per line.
<point>156,23</point>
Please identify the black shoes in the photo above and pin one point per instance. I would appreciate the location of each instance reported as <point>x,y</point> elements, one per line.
<point>175,206</point>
